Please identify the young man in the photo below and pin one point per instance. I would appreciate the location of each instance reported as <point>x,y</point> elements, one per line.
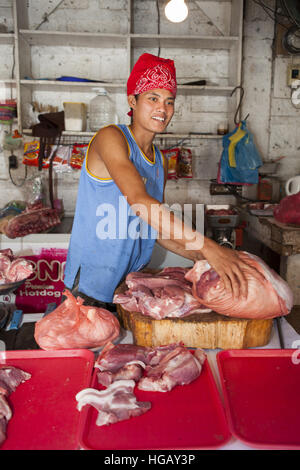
<point>120,196</point>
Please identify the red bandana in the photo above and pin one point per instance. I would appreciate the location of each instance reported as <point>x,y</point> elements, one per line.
<point>152,72</point>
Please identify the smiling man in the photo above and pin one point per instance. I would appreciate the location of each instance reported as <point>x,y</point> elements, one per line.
<point>119,211</point>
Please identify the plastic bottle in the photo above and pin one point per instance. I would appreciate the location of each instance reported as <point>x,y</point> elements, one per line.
<point>102,110</point>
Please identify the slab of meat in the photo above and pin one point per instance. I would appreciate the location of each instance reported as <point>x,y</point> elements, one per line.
<point>32,221</point>
<point>166,294</point>
<point>178,367</point>
<point>10,378</point>
<point>74,325</point>
<point>113,357</point>
<point>269,298</point>
<point>288,210</point>
<point>121,362</point>
<point>13,268</point>
<point>116,403</point>
<point>127,361</point>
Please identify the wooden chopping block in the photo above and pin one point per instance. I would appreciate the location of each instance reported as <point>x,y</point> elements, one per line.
<point>201,330</point>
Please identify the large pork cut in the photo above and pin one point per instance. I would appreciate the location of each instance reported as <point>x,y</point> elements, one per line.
<point>116,403</point>
<point>166,294</point>
<point>74,325</point>
<point>13,268</point>
<point>32,221</point>
<point>10,378</point>
<point>269,298</point>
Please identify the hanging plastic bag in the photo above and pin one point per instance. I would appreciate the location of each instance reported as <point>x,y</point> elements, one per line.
<point>240,159</point>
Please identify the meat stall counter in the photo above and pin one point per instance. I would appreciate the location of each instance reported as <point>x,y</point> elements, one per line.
<point>48,252</point>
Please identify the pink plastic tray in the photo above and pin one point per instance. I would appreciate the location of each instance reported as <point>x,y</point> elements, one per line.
<point>261,392</point>
<point>44,407</point>
<point>188,417</point>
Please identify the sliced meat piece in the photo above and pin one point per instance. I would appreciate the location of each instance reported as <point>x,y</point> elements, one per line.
<point>130,371</point>
<point>159,352</point>
<point>5,411</point>
<point>7,252</point>
<point>74,325</point>
<point>3,426</point>
<point>127,361</point>
<point>5,262</point>
<point>113,357</point>
<point>161,279</point>
<point>10,378</point>
<point>179,367</point>
<point>19,269</point>
<point>115,403</point>
<point>269,298</point>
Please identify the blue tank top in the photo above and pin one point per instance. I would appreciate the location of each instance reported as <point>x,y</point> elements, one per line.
<point>108,240</point>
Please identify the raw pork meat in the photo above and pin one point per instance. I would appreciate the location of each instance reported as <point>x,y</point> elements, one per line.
<point>74,325</point>
<point>127,361</point>
<point>178,367</point>
<point>32,221</point>
<point>288,210</point>
<point>115,403</point>
<point>266,299</point>
<point>13,268</point>
<point>166,294</point>
<point>10,378</point>
<point>121,362</point>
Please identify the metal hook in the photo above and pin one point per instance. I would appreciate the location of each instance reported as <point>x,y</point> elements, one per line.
<point>240,102</point>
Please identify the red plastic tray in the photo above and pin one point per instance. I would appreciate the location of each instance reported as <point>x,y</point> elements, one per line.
<point>45,414</point>
<point>261,393</point>
<point>189,417</point>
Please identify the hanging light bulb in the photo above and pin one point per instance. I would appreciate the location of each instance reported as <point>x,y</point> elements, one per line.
<point>176,11</point>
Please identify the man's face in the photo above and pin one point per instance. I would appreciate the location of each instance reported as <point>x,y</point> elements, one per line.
<point>153,109</point>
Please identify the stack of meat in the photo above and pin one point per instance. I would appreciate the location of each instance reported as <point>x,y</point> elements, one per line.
<point>179,292</point>
<point>10,379</point>
<point>164,294</point>
<point>35,219</point>
<point>13,268</point>
<point>74,325</point>
<point>124,366</point>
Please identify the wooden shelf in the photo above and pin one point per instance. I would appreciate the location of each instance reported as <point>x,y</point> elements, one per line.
<point>7,38</point>
<point>82,39</point>
<point>64,38</point>
<point>191,42</point>
<point>8,81</point>
<point>206,90</point>
<point>87,86</point>
<point>69,85</point>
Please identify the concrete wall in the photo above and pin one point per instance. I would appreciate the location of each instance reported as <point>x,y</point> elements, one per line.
<point>273,120</point>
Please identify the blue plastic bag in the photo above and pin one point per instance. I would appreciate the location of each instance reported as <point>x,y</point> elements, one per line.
<point>240,159</point>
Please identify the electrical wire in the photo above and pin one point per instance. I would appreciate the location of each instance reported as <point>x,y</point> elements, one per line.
<point>275,13</point>
<point>23,181</point>
<point>291,16</point>
<point>46,15</point>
